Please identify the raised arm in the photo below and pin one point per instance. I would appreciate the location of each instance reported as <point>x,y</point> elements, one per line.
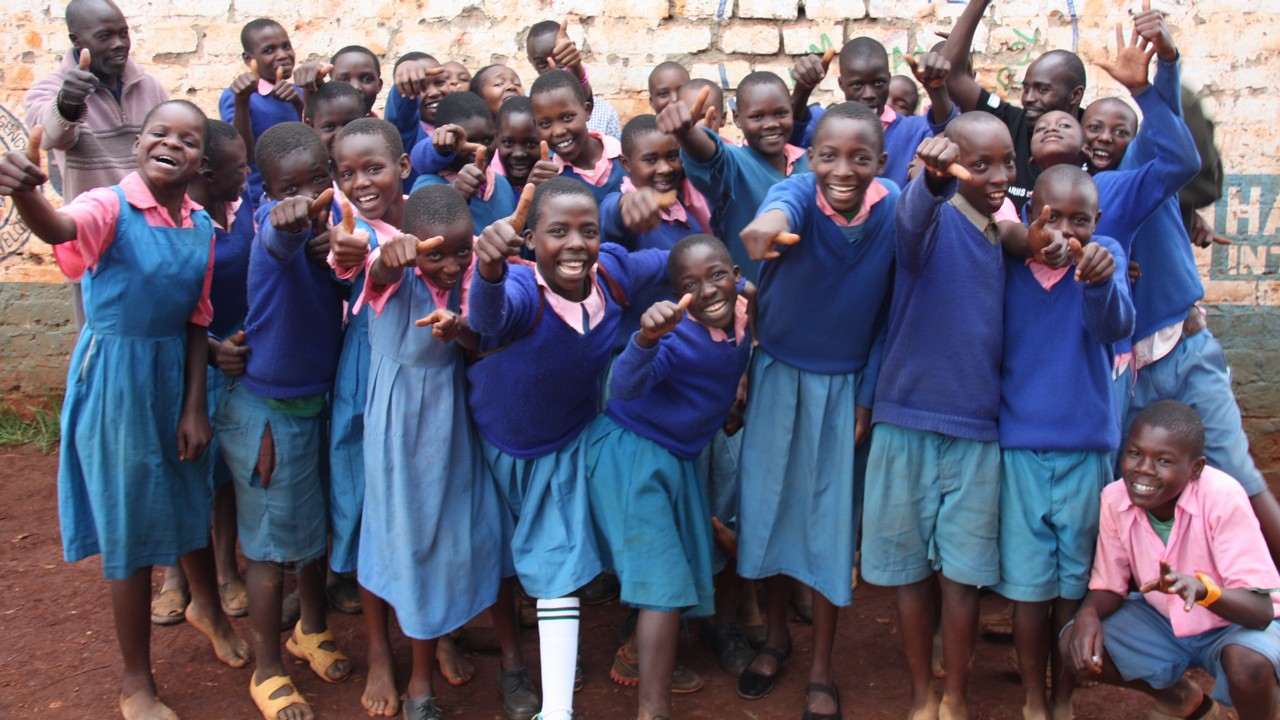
<point>677,119</point>
<point>964,90</point>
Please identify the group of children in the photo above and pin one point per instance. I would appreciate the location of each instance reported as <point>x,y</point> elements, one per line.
<point>497,337</point>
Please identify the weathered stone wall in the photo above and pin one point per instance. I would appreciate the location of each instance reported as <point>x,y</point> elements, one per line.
<point>1230,50</point>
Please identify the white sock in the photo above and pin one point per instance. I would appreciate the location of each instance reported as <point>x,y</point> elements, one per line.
<point>558,638</point>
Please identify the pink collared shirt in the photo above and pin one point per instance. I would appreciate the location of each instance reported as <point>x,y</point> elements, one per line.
<point>96,213</point>
<point>888,115</point>
<point>1045,275</point>
<point>1214,532</point>
<point>740,320</point>
<point>874,194</point>
<point>689,202</point>
<point>793,154</point>
<point>569,311</point>
<point>599,174</point>
<point>376,296</point>
<point>232,207</point>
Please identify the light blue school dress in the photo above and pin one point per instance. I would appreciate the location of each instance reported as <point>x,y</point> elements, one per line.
<point>346,434</point>
<point>431,534</point>
<point>122,491</point>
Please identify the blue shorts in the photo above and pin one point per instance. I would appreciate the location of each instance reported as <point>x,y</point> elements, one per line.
<point>1195,372</point>
<point>931,506</point>
<point>285,521</point>
<point>1049,505</point>
<point>1141,643</point>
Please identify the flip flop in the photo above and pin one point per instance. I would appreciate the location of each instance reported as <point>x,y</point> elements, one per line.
<point>234,598</point>
<point>170,607</point>
<point>753,685</point>
<point>306,646</point>
<point>1207,710</point>
<point>261,694</point>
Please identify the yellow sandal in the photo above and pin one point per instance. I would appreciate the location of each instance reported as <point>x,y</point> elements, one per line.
<point>306,646</point>
<point>270,708</point>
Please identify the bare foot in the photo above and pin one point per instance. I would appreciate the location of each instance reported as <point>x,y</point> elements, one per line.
<point>145,705</point>
<point>952,709</point>
<point>229,647</point>
<point>380,698</point>
<point>927,710</point>
<point>1029,713</point>
<point>453,666</point>
<point>1062,711</point>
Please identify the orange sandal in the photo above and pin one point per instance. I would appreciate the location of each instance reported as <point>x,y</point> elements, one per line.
<point>306,646</point>
<point>270,708</point>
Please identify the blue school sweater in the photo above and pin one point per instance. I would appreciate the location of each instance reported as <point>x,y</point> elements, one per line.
<point>901,138</point>
<point>612,184</point>
<point>1170,281</point>
<point>265,112</point>
<point>537,383</point>
<point>941,366</point>
<point>500,205</point>
<point>1056,383</point>
<point>824,303</point>
<point>663,237</point>
<point>678,393</point>
<point>735,181</point>
<point>229,292</point>
<point>294,322</point>
<point>404,114</point>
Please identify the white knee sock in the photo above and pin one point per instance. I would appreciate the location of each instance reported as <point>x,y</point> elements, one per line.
<point>558,638</point>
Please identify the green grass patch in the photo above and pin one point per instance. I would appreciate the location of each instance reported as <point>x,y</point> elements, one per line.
<point>31,422</point>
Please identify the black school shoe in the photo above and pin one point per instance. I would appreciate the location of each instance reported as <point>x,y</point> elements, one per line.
<point>519,700</point>
<point>421,708</point>
<point>829,690</point>
<point>729,645</point>
<point>753,685</point>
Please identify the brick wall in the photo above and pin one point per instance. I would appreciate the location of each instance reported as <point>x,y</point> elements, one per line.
<point>1230,50</point>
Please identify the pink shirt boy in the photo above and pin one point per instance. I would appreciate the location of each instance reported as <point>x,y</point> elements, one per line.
<point>1214,532</point>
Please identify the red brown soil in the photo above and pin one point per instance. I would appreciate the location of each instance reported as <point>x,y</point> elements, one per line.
<point>58,656</point>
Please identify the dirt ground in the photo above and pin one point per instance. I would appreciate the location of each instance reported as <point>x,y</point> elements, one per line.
<point>58,658</point>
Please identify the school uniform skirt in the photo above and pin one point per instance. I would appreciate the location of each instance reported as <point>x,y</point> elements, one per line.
<point>652,520</point>
<point>553,544</point>
<point>800,481</point>
<point>346,445</point>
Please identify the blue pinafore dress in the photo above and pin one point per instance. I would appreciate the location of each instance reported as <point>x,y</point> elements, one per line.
<point>346,432</point>
<point>122,491</point>
<point>431,538</point>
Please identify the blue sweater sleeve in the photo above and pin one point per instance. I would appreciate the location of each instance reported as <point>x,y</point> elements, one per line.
<point>871,371</point>
<point>794,197</point>
<point>505,309</point>
<point>638,369</point>
<point>1107,308</point>
<point>611,227</point>
<point>426,159</point>
<point>227,107</point>
<point>938,127</point>
<point>711,176</point>
<point>802,128</point>
<point>917,220</point>
<point>645,269</point>
<point>1167,88</point>
<point>282,245</point>
<point>403,113</point>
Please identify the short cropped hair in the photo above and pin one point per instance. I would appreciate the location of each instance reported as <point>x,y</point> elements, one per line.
<point>1179,420</point>
<point>555,79</point>
<point>216,136</point>
<point>456,107</point>
<point>374,126</point>
<point>635,127</point>
<point>555,187</point>
<point>281,141</point>
<point>434,206</point>
<point>332,92</point>
<point>689,242</point>
<point>377,65</point>
<point>853,110</point>
<point>254,26</point>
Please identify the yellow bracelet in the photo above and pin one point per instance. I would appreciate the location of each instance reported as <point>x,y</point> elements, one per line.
<point>1211,590</point>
